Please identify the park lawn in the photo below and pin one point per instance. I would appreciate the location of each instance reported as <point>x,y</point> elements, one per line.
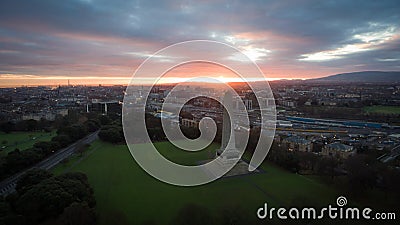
<point>382,109</point>
<point>75,159</point>
<point>22,140</point>
<point>185,157</point>
<point>125,192</point>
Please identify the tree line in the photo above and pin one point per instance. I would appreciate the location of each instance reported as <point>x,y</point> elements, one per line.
<point>70,130</point>
<point>42,198</point>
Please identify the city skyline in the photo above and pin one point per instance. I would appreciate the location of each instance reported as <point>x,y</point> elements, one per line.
<point>92,42</point>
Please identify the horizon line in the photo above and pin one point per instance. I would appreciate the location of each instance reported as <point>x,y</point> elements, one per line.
<point>77,81</point>
<point>51,81</point>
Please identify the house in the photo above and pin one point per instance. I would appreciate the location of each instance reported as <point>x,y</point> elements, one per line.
<point>338,149</point>
<point>297,143</point>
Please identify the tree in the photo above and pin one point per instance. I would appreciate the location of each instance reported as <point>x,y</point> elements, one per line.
<point>191,132</point>
<point>7,127</point>
<point>44,124</point>
<point>50,197</point>
<point>77,214</point>
<point>104,120</point>
<point>81,149</point>
<point>360,174</point>
<point>326,166</point>
<point>75,132</point>
<point>391,181</point>
<point>30,179</point>
<point>62,139</point>
<point>18,160</point>
<point>61,121</point>
<point>31,125</point>
<point>111,134</point>
<point>306,160</point>
<point>156,134</point>
<point>7,215</point>
<point>92,125</point>
<point>284,158</point>
<point>45,146</point>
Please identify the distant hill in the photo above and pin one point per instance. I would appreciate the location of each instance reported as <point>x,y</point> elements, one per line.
<point>362,77</point>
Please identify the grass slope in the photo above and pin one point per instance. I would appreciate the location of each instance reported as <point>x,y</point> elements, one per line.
<point>125,192</point>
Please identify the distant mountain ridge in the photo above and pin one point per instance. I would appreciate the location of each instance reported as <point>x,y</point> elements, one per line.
<point>362,77</point>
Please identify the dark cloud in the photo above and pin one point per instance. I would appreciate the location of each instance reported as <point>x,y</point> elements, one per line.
<point>80,37</point>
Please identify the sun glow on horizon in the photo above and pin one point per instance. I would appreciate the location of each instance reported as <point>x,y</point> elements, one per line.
<point>11,80</point>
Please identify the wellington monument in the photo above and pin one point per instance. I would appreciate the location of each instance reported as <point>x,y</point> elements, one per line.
<point>228,154</point>
<point>228,142</point>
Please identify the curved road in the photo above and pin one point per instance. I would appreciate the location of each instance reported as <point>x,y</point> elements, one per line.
<point>7,186</point>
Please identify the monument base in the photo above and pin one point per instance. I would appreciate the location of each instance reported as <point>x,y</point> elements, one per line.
<point>241,168</point>
<point>231,157</point>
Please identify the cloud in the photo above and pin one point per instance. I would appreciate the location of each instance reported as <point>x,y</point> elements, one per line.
<point>111,38</point>
<point>361,42</point>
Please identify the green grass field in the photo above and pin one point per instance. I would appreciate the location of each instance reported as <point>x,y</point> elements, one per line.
<point>382,109</point>
<point>125,192</point>
<point>22,140</point>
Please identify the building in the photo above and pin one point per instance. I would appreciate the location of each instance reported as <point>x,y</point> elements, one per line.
<point>47,115</point>
<point>395,137</point>
<point>288,103</point>
<point>248,104</point>
<point>338,150</point>
<point>104,106</point>
<point>189,123</point>
<point>296,143</point>
<point>267,102</point>
<point>283,123</point>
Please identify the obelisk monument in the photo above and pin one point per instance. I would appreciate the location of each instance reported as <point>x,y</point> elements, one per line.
<point>228,145</point>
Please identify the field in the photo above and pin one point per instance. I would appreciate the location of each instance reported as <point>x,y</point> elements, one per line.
<point>382,109</point>
<point>126,194</point>
<point>22,140</point>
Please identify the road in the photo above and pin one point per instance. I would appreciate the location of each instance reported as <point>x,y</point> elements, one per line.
<point>7,186</point>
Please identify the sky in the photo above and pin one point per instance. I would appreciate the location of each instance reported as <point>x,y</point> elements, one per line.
<point>101,41</point>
